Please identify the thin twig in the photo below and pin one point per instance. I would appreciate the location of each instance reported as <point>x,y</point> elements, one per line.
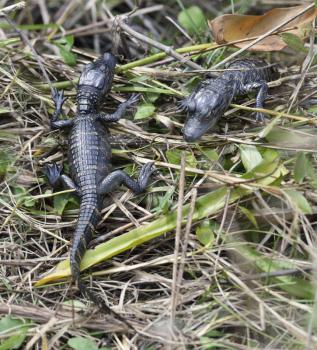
<point>27,42</point>
<point>168,50</point>
<point>178,236</point>
<point>11,8</point>
<point>185,240</point>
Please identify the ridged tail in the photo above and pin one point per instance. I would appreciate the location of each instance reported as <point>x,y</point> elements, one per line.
<point>87,221</point>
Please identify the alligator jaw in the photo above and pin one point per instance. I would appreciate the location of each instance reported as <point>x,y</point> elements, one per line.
<point>195,126</point>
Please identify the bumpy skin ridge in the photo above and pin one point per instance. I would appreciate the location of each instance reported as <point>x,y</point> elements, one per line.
<point>212,97</point>
<point>90,159</point>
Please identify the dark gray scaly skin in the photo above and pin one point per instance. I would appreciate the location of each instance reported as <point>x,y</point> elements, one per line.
<point>90,159</point>
<point>212,97</point>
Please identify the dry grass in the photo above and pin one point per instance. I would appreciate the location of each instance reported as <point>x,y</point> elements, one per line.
<point>247,284</point>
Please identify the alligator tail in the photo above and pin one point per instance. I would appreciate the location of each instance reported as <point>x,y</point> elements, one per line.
<point>87,221</point>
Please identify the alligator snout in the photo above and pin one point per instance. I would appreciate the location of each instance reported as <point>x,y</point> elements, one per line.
<point>194,129</point>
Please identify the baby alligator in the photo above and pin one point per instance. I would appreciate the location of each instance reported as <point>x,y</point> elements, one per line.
<point>90,159</point>
<point>212,97</point>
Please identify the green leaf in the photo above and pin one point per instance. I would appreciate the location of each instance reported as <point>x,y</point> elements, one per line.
<point>294,42</point>
<point>29,202</point>
<point>250,156</point>
<point>65,45</point>
<point>314,184</point>
<point>192,19</point>
<point>74,305</point>
<point>66,41</point>
<point>152,97</point>
<point>249,215</point>
<point>298,201</point>
<point>206,232</point>
<point>5,161</point>
<point>296,287</point>
<point>60,201</point>
<point>303,167</point>
<point>144,110</point>
<point>164,202</point>
<point>210,154</point>
<point>174,157</point>
<point>9,325</point>
<point>81,343</point>
<point>68,57</point>
<point>292,138</point>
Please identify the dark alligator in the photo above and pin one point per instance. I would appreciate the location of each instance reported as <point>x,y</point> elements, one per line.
<point>212,97</point>
<point>90,159</point>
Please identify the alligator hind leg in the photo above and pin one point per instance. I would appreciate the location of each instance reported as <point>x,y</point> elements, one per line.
<point>55,177</point>
<point>118,177</point>
<point>119,113</point>
<point>261,96</point>
<point>59,99</point>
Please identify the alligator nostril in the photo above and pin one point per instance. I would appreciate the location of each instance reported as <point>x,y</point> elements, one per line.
<point>189,138</point>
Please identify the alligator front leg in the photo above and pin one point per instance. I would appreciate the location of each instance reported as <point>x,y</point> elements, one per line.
<point>118,177</point>
<point>59,99</point>
<point>261,96</point>
<point>119,113</point>
<point>55,177</point>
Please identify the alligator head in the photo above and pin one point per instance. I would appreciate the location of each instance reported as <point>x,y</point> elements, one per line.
<point>204,109</point>
<point>99,74</point>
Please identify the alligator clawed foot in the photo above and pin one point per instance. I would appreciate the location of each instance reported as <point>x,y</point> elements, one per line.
<point>146,171</point>
<point>259,117</point>
<point>58,98</point>
<point>132,100</point>
<point>182,105</point>
<point>53,172</point>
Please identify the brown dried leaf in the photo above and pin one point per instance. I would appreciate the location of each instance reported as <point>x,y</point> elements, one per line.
<point>231,28</point>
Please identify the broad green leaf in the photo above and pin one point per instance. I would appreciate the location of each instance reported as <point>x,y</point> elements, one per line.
<point>145,110</point>
<point>74,305</point>
<point>81,343</point>
<point>66,41</point>
<point>192,19</point>
<point>304,139</point>
<point>206,232</point>
<point>65,45</point>
<point>60,201</point>
<point>174,157</point>
<point>16,330</point>
<point>250,156</point>
<point>296,287</point>
<point>151,97</point>
<point>294,42</point>
<point>210,153</point>
<point>68,57</point>
<point>300,167</point>
<point>303,167</point>
<point>29,202</point>
<point>298,201</point>
<point>205,206</point>
<point>164,202</point>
